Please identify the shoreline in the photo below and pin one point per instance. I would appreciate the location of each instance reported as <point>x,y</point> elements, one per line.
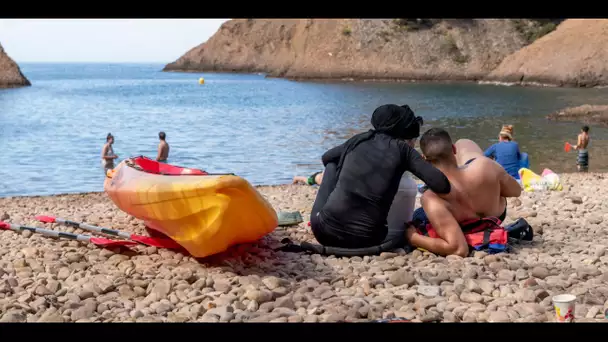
<point>257,187</point>
<point>54,280</point>
<point>358,79</point>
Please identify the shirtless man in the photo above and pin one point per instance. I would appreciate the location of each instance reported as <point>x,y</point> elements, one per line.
<point>107,154</point>
<point>163,148</point>
<point>479,189</point>
<point>582,160</point>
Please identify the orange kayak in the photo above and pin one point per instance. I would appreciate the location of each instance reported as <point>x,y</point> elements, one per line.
<point>204,213</point>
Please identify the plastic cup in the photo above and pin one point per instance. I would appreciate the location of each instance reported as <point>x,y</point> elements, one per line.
<point>564,307</point>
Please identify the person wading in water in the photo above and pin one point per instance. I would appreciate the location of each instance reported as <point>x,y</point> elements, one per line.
<point>107,154</point>
<point>362,176</point>
<point>582,160</point>
<point>163,148</point>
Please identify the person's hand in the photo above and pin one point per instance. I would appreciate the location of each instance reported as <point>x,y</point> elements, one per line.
<point>115,157</point>
<point>410,230</point>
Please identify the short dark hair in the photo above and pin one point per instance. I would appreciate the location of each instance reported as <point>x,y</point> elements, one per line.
<point>585,129</point>
<point>161,135</point>
<point>436,144</point>
<point>109,136</point>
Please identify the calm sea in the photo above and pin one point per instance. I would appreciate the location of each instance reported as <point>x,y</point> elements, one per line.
<point>265,130</point>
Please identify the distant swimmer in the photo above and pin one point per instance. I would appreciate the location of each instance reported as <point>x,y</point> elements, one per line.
<point>107,154</point>
<point>582,160</point>
<point>163,148</point>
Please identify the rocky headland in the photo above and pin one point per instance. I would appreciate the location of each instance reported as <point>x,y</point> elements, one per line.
<point>545,51</point>
<point>10,73</point>
<point>588,114</point>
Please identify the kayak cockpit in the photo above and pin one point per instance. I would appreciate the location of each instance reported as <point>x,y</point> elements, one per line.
<point>148,165</point>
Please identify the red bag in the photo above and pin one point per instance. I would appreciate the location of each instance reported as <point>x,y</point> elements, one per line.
<point>481,234</point>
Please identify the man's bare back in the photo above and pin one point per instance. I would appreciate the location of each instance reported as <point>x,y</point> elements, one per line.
<point>476,185</point>
<point>163,151</point>
<point>479,188</point>
<point>583,141</point>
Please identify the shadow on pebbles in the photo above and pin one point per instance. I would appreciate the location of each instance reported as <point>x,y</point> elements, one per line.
<point>48,280</point>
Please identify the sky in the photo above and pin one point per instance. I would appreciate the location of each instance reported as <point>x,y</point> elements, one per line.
<point>103,40</point>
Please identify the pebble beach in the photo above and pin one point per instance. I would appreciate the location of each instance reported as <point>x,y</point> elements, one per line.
<point>56,280</point>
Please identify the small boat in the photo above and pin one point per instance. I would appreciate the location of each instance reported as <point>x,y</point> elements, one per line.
<point>205,213</point>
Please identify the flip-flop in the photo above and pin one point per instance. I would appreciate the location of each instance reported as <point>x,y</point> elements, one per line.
<point>289,218</point>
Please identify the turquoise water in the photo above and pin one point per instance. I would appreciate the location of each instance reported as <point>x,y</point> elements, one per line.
<point>265,130</point>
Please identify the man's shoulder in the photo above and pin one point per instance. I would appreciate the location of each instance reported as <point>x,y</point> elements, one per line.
<point>483,166</point>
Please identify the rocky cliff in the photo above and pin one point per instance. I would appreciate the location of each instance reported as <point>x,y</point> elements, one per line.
<point>459,49</point>
<point>571,52</point>
<point>575,54</point>
<point>10,74</point>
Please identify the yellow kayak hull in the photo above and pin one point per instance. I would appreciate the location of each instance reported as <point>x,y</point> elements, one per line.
<point>205,214</point>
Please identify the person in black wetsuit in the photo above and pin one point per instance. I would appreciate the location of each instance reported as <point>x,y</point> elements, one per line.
<point>362,176</point>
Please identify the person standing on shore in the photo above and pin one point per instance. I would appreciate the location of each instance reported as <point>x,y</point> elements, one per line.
<point>163,148</point>
<point>107,154</point>
<point>582,160</point>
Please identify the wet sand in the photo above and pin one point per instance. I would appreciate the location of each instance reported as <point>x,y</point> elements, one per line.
<point>49,280</point>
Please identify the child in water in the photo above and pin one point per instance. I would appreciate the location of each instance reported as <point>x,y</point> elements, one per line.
<point>582,160</point>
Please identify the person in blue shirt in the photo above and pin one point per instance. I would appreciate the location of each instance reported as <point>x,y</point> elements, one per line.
<point>506,151</point>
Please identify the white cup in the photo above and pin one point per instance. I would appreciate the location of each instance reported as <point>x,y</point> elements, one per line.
<point>564,307</point>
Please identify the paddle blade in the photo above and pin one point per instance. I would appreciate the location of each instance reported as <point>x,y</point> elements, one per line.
<point>567,147</point>
<point>156,242</point>
<point>110,243</point>
<point>4,225</point>
<point>45,219</point>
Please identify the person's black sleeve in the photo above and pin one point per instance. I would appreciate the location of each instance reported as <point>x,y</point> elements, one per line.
<point>430,175</point>
<point>332,155</point>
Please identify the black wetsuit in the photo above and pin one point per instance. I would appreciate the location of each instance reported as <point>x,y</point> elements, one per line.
<point>350,210</point>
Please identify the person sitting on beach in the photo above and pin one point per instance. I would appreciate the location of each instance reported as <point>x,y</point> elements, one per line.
<point>479,189</point>
<point>506,151</point>
<point>107,154</point>
<point>582,160</point>
<point>314,179</point>
<point>163,148</point>
<point>362,176</point>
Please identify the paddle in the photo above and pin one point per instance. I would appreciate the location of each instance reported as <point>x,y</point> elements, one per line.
<point>567,147</point>
<point>144,240</point>
<point>80,237</point>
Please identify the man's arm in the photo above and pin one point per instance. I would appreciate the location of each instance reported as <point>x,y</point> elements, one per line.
<point>332,155</point>
<point>451,240</point>
<point>430,175</point>
<point>508,185</point>
<point>159,152</point>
